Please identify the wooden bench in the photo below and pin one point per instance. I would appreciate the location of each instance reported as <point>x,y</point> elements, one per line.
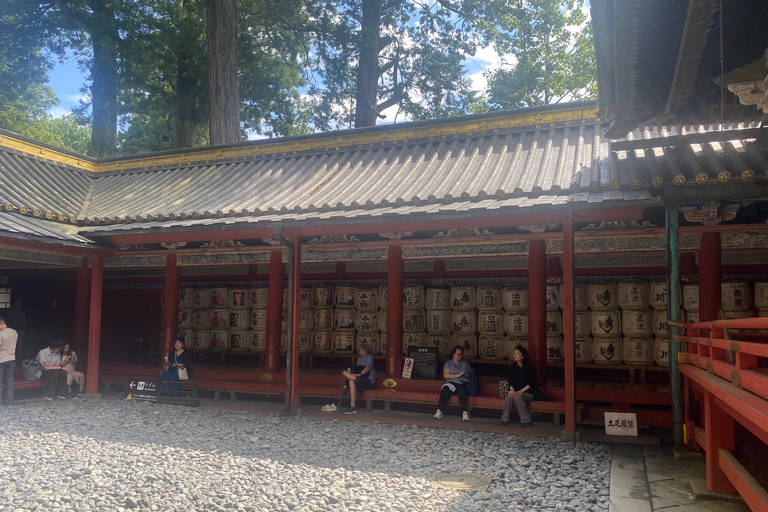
<point>20,383</point>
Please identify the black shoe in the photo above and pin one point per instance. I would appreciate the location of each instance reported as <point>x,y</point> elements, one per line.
<point>504,423</point>
<point>351,410</point>
<point>527,425</point>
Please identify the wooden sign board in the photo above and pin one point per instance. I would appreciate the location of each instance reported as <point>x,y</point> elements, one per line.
<point>621,424</point>
<point>426,361</point>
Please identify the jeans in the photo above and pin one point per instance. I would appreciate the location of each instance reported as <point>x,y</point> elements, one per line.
<point>56,383</point>
<point>6,382</point>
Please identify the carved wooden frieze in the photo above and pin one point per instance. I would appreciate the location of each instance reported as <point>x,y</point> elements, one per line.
<point>419,266</point>
<point>744,258</point>
<point>460,250</point>
<point>318,268</point>
<point>39,257</point>
<point>490,264</point>
<point>343,254</point>
<point>360,267</point>
<point>135,261</point>
<point>223,259</point>
<point>622,261</point>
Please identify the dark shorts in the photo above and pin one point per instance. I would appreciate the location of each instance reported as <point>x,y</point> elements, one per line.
<point>363,383</point>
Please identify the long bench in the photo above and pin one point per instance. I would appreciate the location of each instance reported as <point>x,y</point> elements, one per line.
<point>20,383</point>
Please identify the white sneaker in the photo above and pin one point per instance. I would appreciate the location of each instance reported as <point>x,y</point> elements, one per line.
<point>464,416</point>
<point>438,414</point>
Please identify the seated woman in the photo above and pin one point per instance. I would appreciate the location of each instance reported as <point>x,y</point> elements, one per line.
<point>361,377</point>
<point>456,373</point>
<point>177,359</point>
<point>522,386</point>
<point>69,360</point>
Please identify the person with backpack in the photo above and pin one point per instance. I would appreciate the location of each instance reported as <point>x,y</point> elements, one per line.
<point>457,375</point>
<point>522,386</point>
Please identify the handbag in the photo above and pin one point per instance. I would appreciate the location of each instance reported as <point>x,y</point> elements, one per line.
<point>183,375</point>
<point>503,388</point>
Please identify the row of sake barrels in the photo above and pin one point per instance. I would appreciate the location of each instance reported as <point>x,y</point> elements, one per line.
<point>483,321</point>
<point>632,351</point>
<point>735,296</point>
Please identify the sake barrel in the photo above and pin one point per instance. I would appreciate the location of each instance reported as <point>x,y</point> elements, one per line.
<point>219,319</point>
<point>583,347</point>
<point>201,340</point>
<point>383,320</point>
<point>201,319</point>
<point>490,322</point>
<point>463,297</point>
<point>580,296</point>
<point>661,352</point>
<point>442,342</point>
<point>761,295</point>
<point>367,321</point>
<point>383,343</point>
<point>201,299</point>
<point>691,317</point>
<point>322,319</point>
<point>369,338</point>
<point>488,297</point>
<point>413,339</point>
<point>438,321</point>
<point>658,294</point>
<point>491,346</point>
<point>305,298</point>
<point>322,296</point>
<point>185,335</point>
<point>438,298</point>
<point>639,350</point>
<point>413,296</point>
<point>466,341</point>
<point>219,298</point>
<point>555,349</point>
<point>259,298</point>
<point>552,295</point>
<point>554,323</point>
<point>186,299</point>
<point>413,320</point>
<point>259,319</point>
<point>258,341</point>
<point>283,343</point>
<point>661,324</point>
<point>603,296</point>
<point>582,323</point>
<point>238,340</point>
<point>383,296</point>
<point>239,298</point>
<point>284,322</point>
<point>343,342</point>
<point>637,322</point>
<point>344,319</point>
<point>511,343</point>
<point>184,319</point>
<point>634,294</point>
<point>366,299</point>
<point>516,323</point>
<point>345,295</point>
<point>607,350</point>
<point>305,341</point>
<point>322,342</point>
<point>735,296</point>
<point>606,324</point>
<point>305,319</point>
<point>691,297</point>
<point>238,319</point>
<point>219,339</point>
<point>514,298</point>
<point>463,321</point>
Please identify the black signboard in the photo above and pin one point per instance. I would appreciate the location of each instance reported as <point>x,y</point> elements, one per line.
<point>426,362</point>
<point>142,390</point>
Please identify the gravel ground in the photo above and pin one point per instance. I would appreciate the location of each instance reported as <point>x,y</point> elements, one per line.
<point>120,455</point>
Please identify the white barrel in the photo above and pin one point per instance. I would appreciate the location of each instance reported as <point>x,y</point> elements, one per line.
<point>463,297</point>
<point>305,342</point>
<point>367,321</point>
<point>322,319</point>
<point>219,339</point>
<point>201,340</point>
<point>661,323</point>
<point>580,296</point>
<point>735,296</point>
<point>491,346</point>
<point>413,339</point>
<point>284,322</point>
<point>201,319</point>
<point>367,338</point>
<point>305,319</point>
<point>345,295</point>
<point>634,294</point>
<point>238,340</point>
<point>637,322</point>
<point>219,298</point>
<point>201,299</point>
<point>383,320</point>
<point>583,347</point>
<point>184,319</point>
<point>322,342</point>
<point>607,350</point>
<point>516,323</point>
<point>488,297</point>
<point>554,323</point>
<point>305,298</point>
<point>761,295</point>
<point>442,342</point>
<point>468,342</point>
<point>555,349</point>
<point>258,341</point>
<point>490,322</point>
<point>639,351</point>
<point>661,352</point>
<point>219,319</point>
<point>186,298</point>
<point>438,298</point>
<point>383,343</point>
<point>464,321</point>
<point>511,343</point>
<point>603,296</point>
<point>383,296</point>
<point>259,319</point>
<point>552,295</point>
<point>238,298</point>
<point>514,298</point>
<point>322,296</point>
<point>238,319</point>
<point>658,294</point>
<point>413,296</point>
<point>344,319</point>
<point>438,321</point>
<point>606,324</point>
<point>691,297</point>
<point>582,323</point>
<point>185,335</point>
<point>343,342</point>
<point>259,298</point>
<point>366,299</point>
<point>414,320</point>
<point>691,317</point>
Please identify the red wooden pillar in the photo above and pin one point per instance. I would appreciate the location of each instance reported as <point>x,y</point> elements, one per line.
<point>709,276</point>
<point>170,304</point>
<point>94,325</point>
<point>82,294</point>
<point>719,434</point>
<point>296,241</point>
<point>274,312</point>
<point>569,263</point>
<point>537,308</point>
<point>394,312</point>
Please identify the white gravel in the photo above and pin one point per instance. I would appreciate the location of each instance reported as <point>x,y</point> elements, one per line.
<point>119,455</point>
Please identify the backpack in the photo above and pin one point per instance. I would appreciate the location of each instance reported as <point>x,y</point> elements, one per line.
<point>473,386</point>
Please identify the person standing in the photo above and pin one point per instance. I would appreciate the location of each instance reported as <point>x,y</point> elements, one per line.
<point>8,339</point>
<point>53,373</point>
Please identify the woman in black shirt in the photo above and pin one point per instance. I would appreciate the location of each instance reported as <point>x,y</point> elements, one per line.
<point>522,385</point>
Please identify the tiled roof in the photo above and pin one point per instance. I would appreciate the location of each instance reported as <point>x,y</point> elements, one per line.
<point>33,228</point>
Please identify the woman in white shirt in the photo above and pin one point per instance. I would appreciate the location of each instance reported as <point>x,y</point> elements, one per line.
<point>69,360</point>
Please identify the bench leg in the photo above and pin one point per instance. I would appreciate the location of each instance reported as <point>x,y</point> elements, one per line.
<point>232,396</point>
<point>368,404</point>
<point>557,418</point>
<point>217,394</point>
<point>386,406</point>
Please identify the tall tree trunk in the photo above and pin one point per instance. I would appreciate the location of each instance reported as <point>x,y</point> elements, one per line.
<point>368,69</point>
<point>223,88</point>
<point>105,40</point>
<point>186,118</point>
